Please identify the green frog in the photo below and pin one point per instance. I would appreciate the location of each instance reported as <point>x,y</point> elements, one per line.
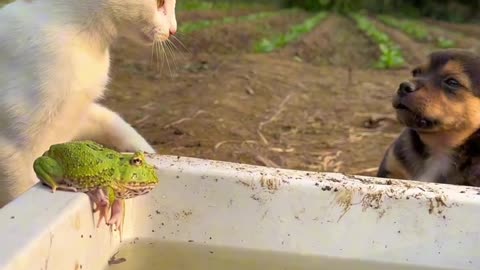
<point>107,176</point>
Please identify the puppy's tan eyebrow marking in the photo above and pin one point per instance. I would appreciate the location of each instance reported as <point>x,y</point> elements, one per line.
<point>455,68</point>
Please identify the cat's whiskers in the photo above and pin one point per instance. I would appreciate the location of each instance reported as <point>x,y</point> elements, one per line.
<point>152,56</point>
<point>166,57</point>
<point>159,53</point>
<point>181,43</point>
<point>162,51</point>
<point>173,44</point>
<point>175,49</point>
<point>156,54</point>
<point>171,50</point>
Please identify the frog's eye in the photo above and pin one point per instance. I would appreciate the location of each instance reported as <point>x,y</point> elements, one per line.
<point>160,3</point>
<point>136,161</point>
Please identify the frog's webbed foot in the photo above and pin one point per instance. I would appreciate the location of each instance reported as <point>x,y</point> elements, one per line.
<point>117,215</point>
<point>52,187</point>
<point>100,201</point>
<point>99,198</point>
<point>103,214</point>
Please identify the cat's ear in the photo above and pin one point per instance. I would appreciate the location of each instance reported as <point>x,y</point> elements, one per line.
<point>160,3</point>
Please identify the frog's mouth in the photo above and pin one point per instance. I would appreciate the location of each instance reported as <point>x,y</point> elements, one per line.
<point>133,189</point>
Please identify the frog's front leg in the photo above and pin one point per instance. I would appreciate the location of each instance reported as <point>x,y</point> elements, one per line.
<point>117,215</point>
<point>48,171</point>
<point>117,212</point>
<point>100,201</point>
<point>99,198</point>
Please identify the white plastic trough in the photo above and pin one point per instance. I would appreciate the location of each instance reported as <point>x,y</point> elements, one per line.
<point>319,220</point>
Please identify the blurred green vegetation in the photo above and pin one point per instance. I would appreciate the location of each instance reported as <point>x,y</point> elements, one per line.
<point>3,2</point>
<point>208,4</point>
<point>418,31</point>
<point>391,56</point>
<point>189,27</point>
<point>296,31</point>
<point>445,43</point>
<point>222,4</point>
<point>450,10</point>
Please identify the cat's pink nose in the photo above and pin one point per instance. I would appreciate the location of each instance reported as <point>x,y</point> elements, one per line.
<point>173,31</point>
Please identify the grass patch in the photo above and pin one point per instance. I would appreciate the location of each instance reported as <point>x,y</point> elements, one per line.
<point>189,27</point>
<point>391,55</point>
<point>266,45</point>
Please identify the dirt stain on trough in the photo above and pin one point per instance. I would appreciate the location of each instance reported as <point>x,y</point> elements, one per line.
<point>270,184</point>
<point>373,194</point>
<point>344,199</point>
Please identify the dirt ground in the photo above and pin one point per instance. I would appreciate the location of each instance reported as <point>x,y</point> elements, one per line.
<point>316,104</point>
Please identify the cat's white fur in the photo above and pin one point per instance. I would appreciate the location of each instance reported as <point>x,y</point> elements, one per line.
<point>54,65</point>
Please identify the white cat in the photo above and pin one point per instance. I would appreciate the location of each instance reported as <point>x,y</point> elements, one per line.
<point>54,65</point>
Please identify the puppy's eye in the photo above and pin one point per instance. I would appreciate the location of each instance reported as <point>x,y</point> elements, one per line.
<point>451,82</point>
<point>416,72</point>
<point>160,3</point>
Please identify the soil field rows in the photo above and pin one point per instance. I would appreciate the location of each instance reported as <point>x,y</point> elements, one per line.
<point>316,104</point>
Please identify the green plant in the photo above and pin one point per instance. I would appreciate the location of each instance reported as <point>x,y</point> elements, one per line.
<point>189,27</point>
<point>219,5</point>
<point>411,28</point>
<point>390,58</point>
<point>416,30</point>
<point>453,10</point>
<point>195,26</point>
<point>195,5</point>
<point>391,55</point>
<point>445,43</point>
<point>266,45</point>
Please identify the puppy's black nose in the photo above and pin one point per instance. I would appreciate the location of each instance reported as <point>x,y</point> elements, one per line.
<point>406,88</point>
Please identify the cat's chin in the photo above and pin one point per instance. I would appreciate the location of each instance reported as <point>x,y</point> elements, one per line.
<point>140,38</point>
<point>146,39</point>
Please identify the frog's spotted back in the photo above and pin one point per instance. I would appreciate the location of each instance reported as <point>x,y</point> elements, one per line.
<point>106,175</point>
<point>88,165</point>
<point>92,145</point>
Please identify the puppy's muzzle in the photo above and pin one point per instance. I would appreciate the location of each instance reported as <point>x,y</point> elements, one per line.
<point>406,88</point>
<point>403,91</point>
<point>405,104</point>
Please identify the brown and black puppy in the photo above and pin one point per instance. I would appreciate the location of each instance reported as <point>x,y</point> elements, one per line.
<point>440,108</point>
